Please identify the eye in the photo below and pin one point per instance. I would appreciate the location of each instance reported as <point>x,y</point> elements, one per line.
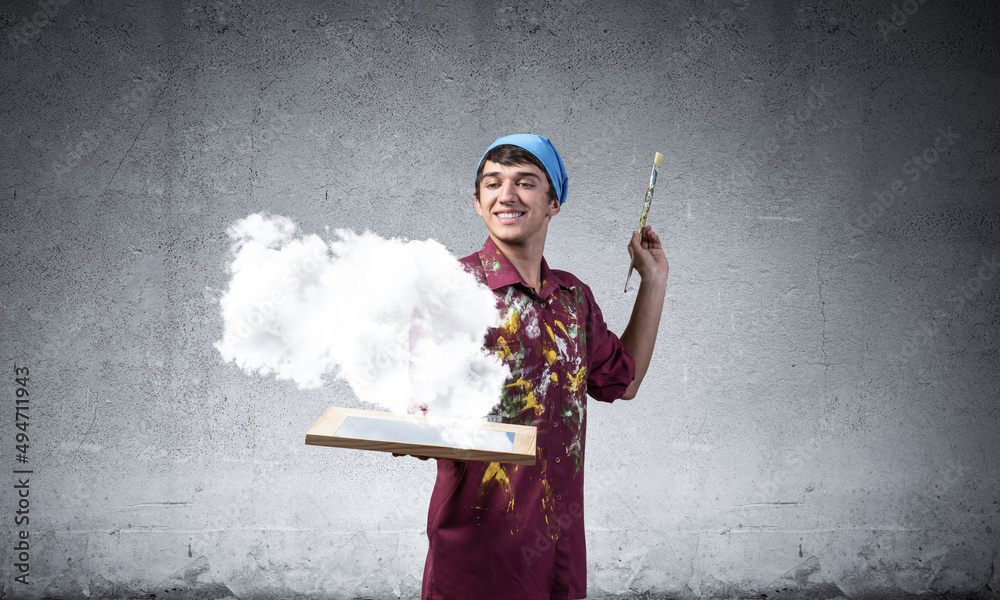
<point>526,183</point>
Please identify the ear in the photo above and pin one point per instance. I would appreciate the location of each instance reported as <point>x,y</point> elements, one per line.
<point>554,208</point>
<point>479,207</point>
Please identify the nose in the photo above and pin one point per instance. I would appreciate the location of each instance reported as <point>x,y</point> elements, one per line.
<point>508,190</point>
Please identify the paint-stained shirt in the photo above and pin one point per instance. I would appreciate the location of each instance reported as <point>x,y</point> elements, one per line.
<point>499,531</point>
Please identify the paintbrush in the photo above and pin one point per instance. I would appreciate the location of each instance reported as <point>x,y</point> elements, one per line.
<point>645,209</point>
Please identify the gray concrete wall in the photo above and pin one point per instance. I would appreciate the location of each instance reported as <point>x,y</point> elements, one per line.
<point>821,415</point>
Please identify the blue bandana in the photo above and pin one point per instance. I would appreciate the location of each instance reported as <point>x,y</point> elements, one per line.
<point>545,152</point>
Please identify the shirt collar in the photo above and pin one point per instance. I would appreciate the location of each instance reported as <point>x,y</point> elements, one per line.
<point>500,272</point>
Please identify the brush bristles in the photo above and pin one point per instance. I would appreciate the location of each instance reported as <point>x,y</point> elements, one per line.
<point>657,159</point>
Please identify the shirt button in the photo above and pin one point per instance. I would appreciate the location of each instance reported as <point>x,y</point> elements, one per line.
<point>555,423</point>
<point>545,305</point>
<point>559,497</point>
<point>557,459</point>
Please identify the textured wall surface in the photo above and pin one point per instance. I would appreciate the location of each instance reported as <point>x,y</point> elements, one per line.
<point>821,417</point>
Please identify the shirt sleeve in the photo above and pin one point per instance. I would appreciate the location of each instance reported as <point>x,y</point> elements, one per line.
<point>612,368</point>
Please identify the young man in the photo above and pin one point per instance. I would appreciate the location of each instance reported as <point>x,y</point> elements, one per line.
<point>500,531</point>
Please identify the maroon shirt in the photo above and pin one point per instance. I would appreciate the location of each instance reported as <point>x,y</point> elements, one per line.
<point>499,531</point>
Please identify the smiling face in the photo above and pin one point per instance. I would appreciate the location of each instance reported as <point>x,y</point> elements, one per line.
<point>515,204</point>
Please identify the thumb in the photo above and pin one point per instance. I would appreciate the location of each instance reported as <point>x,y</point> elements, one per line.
<point>634,243</point>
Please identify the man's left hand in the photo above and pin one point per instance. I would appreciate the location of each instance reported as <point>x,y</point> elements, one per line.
<point>648,257</point>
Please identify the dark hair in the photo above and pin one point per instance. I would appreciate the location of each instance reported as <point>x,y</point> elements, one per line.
<point>509,155</point>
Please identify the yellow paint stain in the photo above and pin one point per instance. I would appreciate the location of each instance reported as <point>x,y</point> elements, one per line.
<point>520,383</point>
<point>554,378</point>
<point>576,380</point>
<point>531,403</point>
<point>512,323</point>
<point>496,473</point>
<point>550,356</point>
<point>561,326</point>
<point>504,349</point>
<point>527,395</point>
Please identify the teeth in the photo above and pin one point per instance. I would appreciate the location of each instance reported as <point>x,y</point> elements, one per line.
<point>509,215</point>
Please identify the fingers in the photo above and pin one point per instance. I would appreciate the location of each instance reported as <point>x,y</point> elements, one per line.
<point>634,244</point>
<point>649,238</point>
<point>645,246</point>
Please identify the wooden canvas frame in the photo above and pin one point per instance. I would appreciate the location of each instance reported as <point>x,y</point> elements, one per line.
<point>325,433</point>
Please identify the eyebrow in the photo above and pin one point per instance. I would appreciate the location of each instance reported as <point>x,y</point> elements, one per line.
<point>519,174</point>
